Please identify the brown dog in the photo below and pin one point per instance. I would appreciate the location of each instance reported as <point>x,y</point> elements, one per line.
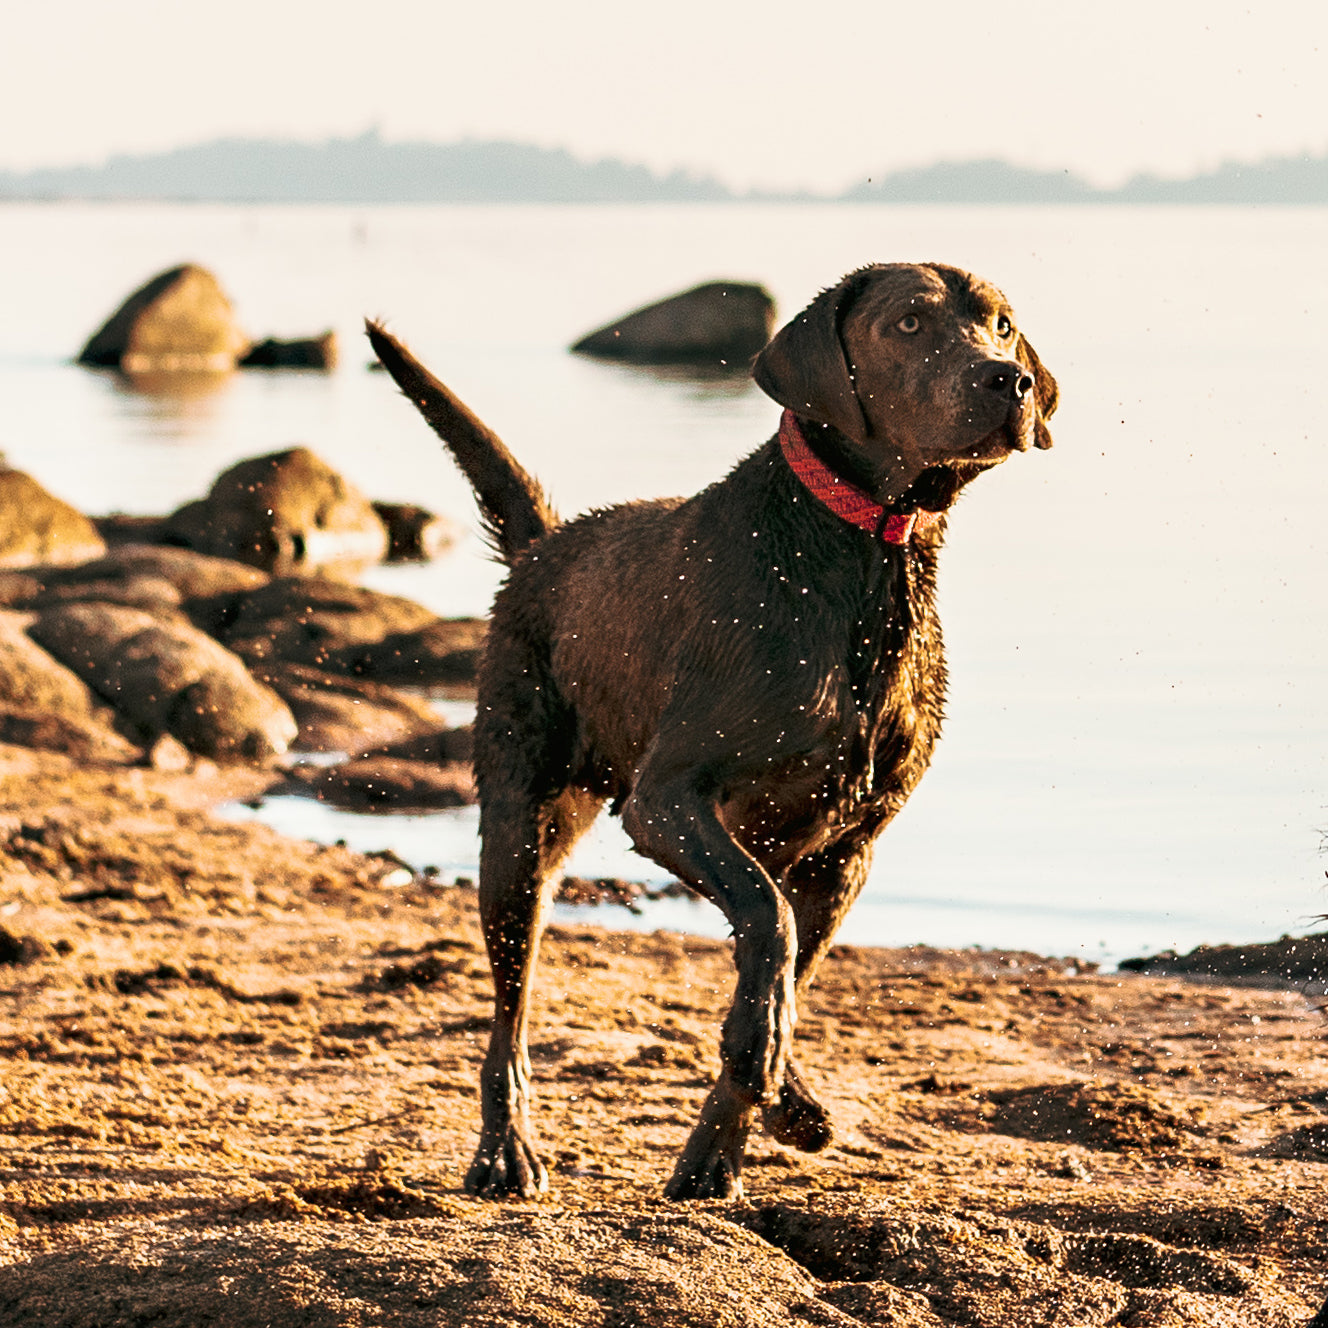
<point>753,676</point>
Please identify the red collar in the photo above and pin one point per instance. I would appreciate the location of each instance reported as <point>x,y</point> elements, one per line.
<point>842,498</point>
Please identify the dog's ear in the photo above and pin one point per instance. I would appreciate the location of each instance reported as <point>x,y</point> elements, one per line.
<point>804,366</point>
<point>1046,394</point>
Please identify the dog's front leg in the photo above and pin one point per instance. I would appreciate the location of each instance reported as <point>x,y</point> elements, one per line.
<point>673,823</point>
<point>820,889</point>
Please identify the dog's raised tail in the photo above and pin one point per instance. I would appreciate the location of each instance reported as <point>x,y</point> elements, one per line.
<point>515,510</point>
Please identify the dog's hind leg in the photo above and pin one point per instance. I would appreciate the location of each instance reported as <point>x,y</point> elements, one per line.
<point>524,842</point>
<point>672,821</point>
<point>820,890</point>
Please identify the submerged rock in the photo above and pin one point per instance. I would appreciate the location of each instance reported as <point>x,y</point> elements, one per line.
<point>721,324</point>
<point>414,534</point>
<point>180,321</point>
<point>385,783</point>
<point>1294,959</point>
<point>440,745</point>
<point>301,353</point>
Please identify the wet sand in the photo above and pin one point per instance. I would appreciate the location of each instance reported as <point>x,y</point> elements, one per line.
<point>239,1075</point>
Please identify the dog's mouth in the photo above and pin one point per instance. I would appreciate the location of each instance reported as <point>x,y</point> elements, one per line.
<point>1013,434</point>
<point>936,488</point>
<point>999,443</point>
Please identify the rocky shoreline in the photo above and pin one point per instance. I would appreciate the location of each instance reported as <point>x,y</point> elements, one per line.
<point>233,631</point>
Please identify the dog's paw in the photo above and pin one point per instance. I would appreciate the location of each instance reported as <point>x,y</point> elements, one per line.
<point>796,1118</point>
<point>715,1177</point>
<point>507,1168</point>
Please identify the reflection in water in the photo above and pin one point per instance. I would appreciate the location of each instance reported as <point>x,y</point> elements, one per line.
<point>177,404</point>
<point>700,382</point>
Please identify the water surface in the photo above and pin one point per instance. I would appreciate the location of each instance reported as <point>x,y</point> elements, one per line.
<point>1136,749</point>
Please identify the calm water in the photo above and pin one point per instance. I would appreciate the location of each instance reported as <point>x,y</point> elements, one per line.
<point>1136,752</point>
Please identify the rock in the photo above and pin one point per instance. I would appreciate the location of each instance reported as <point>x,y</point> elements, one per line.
<point>445,653</point>
<point>83,738</point>
<point>1298,959</point>
<point>44,705</point>
<point>386,784</point>
<point>303,353</point>
<point>337,713</point>
<point>594,891</point>
<point>441,745</point>
<point>414,534</point>
<point>288,513</point>
<point>722,324</point>
<point>383,784</point>
<point>169,754</point>
<point>164,676</point>
<point>351,629</point>
<point>308,620</point>
<point>180,321</point>
<point>15,949</point>
<point>119,528</point>
<point>19,589</point>
<point>194,575</point>
<point>154,577</point>
<point>36,527</point>
<point>153,593</point>
<point>32,680</point>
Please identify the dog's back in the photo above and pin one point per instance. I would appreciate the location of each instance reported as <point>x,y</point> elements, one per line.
<point>739,611</point>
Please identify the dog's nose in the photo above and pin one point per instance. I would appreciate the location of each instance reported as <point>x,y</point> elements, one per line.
<point>1006,379</point>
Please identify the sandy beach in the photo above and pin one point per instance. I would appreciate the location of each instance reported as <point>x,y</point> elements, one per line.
<point>239,1088</point>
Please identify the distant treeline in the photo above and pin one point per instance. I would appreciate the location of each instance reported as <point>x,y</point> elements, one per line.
<point>369,170</point>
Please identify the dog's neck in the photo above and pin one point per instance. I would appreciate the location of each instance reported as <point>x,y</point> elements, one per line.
<point>846,499</point>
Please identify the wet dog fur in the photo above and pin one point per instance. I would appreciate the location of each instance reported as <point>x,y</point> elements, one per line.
<point>752,683</point>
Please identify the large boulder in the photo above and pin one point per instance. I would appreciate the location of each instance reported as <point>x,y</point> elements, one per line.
<point>180,321</point>
<point>36,527</point>
<point>722,324</point>
<point>351,629</point>
<point>288,513</point>
<point>164,676</point>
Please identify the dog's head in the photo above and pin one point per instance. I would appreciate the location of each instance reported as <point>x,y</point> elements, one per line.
<point>922,370</point>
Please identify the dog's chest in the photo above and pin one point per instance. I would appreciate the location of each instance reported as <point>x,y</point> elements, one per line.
<point>870,731</point>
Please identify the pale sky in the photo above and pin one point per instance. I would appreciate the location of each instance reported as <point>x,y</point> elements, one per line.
<point>819,94</point>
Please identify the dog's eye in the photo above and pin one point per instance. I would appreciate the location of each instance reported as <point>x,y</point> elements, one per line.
<point>909,324</point>
<point>1003,327</point>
